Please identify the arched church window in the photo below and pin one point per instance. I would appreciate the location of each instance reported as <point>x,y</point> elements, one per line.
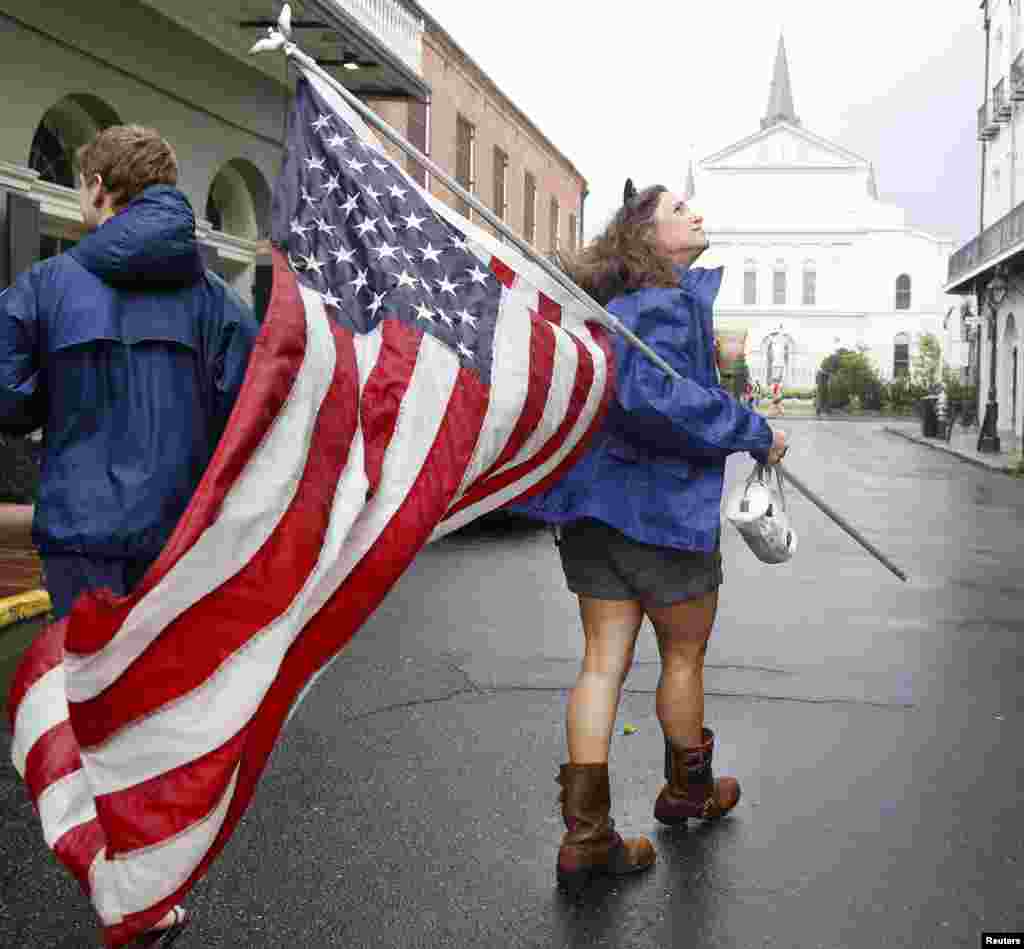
<point>779,282</point>
<point>901,355</point>
<point>750,281</point>
<point>810,283</point>
<point>903,292</point>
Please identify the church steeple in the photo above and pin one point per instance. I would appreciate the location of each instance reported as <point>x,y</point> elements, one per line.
<point>780,99</point>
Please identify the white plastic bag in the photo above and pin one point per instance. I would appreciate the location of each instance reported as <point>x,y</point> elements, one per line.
<point>759,513</point>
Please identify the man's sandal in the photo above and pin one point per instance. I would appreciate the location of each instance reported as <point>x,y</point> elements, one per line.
<point>160,938</point>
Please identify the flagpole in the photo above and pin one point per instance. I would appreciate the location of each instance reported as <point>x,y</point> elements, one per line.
<point>280,39</point>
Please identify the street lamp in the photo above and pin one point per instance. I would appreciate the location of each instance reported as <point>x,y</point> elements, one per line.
<point>988,437</point>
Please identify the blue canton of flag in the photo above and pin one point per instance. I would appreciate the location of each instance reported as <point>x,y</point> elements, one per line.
<point>359,232</point>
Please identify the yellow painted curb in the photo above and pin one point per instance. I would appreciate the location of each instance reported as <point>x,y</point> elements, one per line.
<point>14,609</point>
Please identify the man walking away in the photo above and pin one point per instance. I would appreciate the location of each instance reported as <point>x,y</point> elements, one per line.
<point>129,355</point>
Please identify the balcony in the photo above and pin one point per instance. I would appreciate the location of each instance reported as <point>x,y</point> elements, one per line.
<point>398,29</point>
<point>994,242</point>
<point>1017,78</point>
<point>1002,110</point>
<point>988,128</point>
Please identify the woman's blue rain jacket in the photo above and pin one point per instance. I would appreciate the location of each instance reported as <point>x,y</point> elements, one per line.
<point>656,469</point>
<point>129,355</point>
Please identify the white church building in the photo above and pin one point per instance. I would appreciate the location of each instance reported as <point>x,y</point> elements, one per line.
<point>813,260</point>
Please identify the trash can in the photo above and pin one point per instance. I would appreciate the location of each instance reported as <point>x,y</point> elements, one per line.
<point>929,417</point>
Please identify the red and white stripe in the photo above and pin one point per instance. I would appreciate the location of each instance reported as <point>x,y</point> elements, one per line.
<point>142,723</point>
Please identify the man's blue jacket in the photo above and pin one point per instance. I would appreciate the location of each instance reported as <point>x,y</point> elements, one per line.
<point>129,355</point>
<point>656,469</point>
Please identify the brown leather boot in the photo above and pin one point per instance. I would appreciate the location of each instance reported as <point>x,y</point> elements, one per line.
<point>692,789</point>
<point>591,843</point>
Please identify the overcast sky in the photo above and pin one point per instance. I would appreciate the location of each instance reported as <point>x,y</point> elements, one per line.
<point>636,89</point>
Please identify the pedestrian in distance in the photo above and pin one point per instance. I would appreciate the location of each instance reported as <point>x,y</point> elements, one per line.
<point>777,398</point>
<point>129,355</point>
<point>639,518</point>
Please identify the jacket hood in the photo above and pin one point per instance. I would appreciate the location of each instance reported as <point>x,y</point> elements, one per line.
<point>152,242</point>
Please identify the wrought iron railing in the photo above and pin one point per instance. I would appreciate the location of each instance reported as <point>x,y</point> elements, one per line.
<point>1006,234</point>
<point>393,24</point>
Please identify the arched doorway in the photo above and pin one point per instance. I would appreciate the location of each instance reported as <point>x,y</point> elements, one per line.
<point>778,351</point>
<point>238,203</point>
<point>64,127</point>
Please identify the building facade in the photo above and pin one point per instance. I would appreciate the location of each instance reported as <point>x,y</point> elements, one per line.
<point>492,148</point>
<point>183,67</point>
<point>814,261</point>
<point>993,326</point>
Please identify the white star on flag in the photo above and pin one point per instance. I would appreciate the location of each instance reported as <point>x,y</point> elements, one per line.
<point>323,227</point>
<point>329,299</point>
<point>414,222</point>
<point>445,318</point>
<point>397,193</point>
<point>350,205</point>
<point>315,164</point>
<point>311,263</point>
<point>429,253</point>
<point>321,123</point>
<point>337,141</point>
<point>423,313</point>
<point>360,280</point>
<point>366,225</point>
<point>478,275</point>
<point>385,250</point>
<point>445,285</point>
<point>378,300</point>
<point>298,228</point>
<point>331,185</point>
<point>466,317</point>
<point>405,279</point>
<point>343,256</point>
<point>356,165</point>
<point>376,195</point>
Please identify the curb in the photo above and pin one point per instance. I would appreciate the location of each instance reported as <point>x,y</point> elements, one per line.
<point>14,609</point>
<point>927,443</point>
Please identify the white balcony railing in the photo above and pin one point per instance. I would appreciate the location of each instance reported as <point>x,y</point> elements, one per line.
<point>393,25</point>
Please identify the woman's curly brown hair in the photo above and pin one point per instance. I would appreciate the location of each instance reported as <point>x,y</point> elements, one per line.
<point>624,257</point>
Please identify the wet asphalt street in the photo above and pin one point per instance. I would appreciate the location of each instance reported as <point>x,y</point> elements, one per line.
<point>875,726</point>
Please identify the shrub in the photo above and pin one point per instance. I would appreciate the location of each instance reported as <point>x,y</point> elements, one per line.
<point>851,374</point>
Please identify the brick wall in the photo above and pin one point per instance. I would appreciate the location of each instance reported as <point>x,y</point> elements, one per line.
<point>460,88</point>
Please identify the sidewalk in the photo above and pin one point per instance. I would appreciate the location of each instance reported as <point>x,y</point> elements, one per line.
<point>964,444</point>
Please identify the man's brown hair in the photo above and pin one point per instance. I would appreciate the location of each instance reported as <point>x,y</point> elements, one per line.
<point>624,257</point>
<point>129,158</point>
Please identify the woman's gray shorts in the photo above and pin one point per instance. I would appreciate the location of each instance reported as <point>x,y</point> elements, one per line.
<point>604,563</point>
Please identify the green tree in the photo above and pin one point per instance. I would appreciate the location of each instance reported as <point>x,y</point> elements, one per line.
<point>927,361</point>
<point>851,374</point>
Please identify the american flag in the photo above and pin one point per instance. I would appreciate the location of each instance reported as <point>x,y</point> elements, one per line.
<point>411,374</point>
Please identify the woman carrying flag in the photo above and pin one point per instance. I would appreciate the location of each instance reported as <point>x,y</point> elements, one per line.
<point>639,524</point>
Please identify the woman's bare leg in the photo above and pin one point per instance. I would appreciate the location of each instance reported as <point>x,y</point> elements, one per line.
<point>610,627</point>
<point>683,630</point>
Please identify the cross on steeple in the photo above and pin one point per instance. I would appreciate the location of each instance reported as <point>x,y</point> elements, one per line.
<point>780,99</point>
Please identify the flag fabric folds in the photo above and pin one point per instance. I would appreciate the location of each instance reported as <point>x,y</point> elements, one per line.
<point>411,374</point>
